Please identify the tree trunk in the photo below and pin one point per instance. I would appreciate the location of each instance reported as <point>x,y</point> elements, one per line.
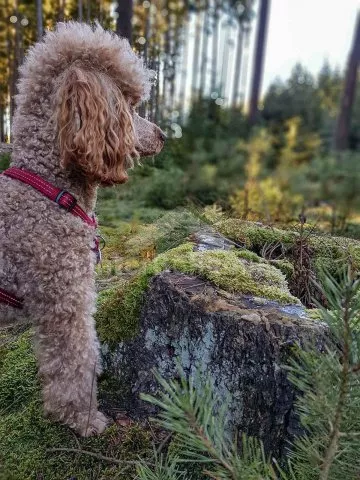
<point>2,130</point>
<point>175,28</point>
<point>124,10</point>
<point>88,11</point>
<point>348,97</point>
<point>259,60</point>
<point>143,106</point>
<point>165,65</point>
<point>157,92</point>
<point>237,73</point>
<point>245,64</point>
<point>9,62</point>
<point>100,12</point>
<point>225,60</point>
<point>184,71</point>
<point>147,34</point>
<point>205,39</point>
<point>196,56</point>
<point>16,62</point>
<point>80,10</point>
<point>61,12</point>
<point>215,46</point>
<point>39,20</point>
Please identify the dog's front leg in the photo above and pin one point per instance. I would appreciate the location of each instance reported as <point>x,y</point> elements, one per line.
<point>68,353</point>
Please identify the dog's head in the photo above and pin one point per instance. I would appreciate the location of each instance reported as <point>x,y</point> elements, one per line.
<point>99,131</point>
<point>96,83</point>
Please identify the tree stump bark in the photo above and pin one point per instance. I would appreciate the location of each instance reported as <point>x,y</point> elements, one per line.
<point>241,342</point>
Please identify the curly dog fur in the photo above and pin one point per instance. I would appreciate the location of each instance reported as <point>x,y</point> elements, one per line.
<point>75,126</point>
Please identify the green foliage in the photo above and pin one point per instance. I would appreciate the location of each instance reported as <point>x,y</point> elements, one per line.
<point>327,251</point>
<point>334,180</point>
<point>166,189</point>
<point>254,235</point>
<point>286,267</point>
<point>165,468</point>
<point>4,161</point>
<point>298,96</point>
<point>268,173</point>
<point>190,410</point>
<point>329,409</point>
<point>169,231</point>
<point>330,406</point>
<point>269,194</point>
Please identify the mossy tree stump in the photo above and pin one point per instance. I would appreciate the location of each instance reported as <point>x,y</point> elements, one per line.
<point>242,342</point>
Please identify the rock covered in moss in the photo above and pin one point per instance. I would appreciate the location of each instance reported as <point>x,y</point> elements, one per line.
<point>241,341</point>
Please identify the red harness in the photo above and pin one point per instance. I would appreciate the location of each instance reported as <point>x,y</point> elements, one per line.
<point>64,199</point>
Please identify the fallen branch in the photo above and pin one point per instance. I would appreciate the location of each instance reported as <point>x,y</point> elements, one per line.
<point>95,455</point>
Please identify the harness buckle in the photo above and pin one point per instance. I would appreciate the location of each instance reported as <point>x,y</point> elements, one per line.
<point>68,208</point>
<point>97,247</point>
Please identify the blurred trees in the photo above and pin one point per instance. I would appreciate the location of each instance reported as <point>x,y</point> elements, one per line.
<point>199,51</point>
<point>259,57</point>
<point>298,96</point>
<point>348,97</point>
<point>39,18</point>
<point>124,11</point>
<point>186,42</point>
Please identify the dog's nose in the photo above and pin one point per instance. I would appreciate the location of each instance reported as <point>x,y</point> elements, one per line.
<point>163,135</point>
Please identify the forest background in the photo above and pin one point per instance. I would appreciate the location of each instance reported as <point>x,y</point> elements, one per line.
<point>292,151</point>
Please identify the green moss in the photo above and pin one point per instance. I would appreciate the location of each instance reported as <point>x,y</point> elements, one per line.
<point>250,256</point>
<point>315,313</point>
<point>26,436</point>
<point>286,267</point>
<point>18,374</point>
<point>239,270</point>
<point>328,252</point>
<point>229,272</point>
<point>119,308</point>
<point>332,253</point>
<point>115,238</point>
<point>4,161</point>
<point>254,236</point>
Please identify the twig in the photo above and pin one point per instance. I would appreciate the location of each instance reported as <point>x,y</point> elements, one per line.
<point>76,439</point>
<point>356,368</point>
<point>163,443</point>
<point>95,455</point>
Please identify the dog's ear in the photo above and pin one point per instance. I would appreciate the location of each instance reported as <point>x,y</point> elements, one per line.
<point>95,126</point>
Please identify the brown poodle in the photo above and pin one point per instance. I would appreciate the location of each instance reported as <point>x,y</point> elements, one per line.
<point>76,128</point>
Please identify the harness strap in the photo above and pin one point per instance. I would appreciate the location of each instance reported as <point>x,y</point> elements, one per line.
<point>63,198</point>
<point>9,299</point>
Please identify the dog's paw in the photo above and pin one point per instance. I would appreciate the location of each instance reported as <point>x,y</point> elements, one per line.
<point>93,425</point>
